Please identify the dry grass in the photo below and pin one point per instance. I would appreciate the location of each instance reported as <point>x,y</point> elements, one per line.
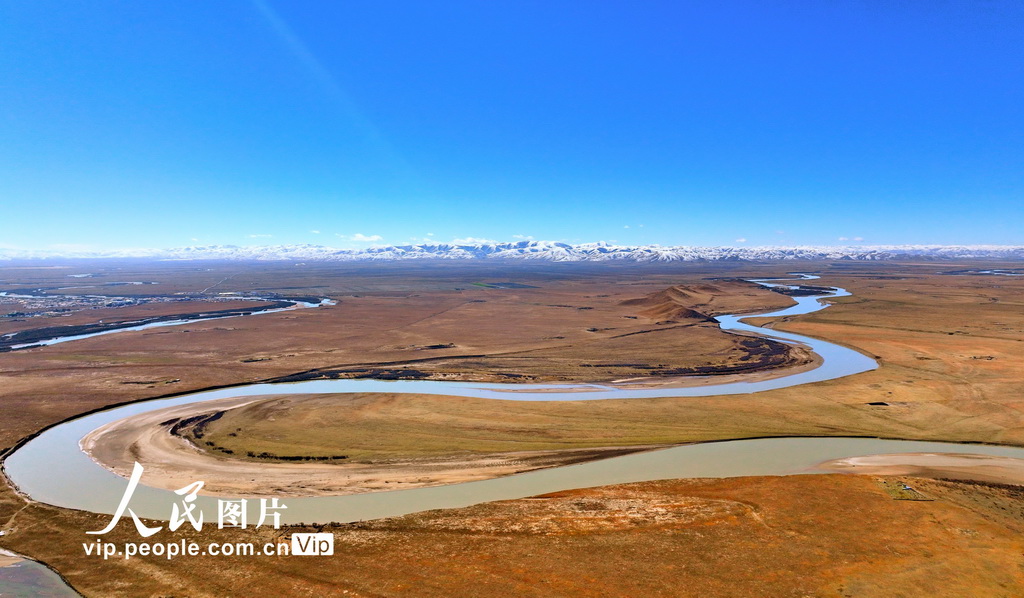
<point>385,316</point>
<point>771,537</point>
<point>371,427</point>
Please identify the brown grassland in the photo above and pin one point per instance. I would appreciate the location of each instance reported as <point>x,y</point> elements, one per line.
<point>951,349</point>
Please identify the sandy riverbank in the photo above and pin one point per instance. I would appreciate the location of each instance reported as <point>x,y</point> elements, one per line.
<point>982,468</point>
<point>9,558</point>
<point>172,462</point>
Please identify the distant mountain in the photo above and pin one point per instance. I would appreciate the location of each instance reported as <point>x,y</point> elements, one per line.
<point>545,251</point>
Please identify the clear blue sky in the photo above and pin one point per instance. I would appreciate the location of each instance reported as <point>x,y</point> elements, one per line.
<point>163,124</point>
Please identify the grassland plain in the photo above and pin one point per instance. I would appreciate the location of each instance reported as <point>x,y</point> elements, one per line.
<point>951,351</point>
<point>387,319</point>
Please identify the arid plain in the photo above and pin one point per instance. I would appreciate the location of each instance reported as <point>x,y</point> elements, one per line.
<point>950,347</point>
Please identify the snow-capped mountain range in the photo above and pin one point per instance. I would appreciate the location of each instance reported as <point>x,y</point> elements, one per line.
<point>545,251</point>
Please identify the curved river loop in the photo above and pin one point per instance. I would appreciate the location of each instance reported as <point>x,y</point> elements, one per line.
<point>52,468</point>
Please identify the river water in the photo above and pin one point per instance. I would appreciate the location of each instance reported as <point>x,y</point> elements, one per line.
<point>25,577</point>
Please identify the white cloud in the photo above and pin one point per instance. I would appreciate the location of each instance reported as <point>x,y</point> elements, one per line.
<point>472,241</point>
<point>260,236</point>
<point>844,239</point>
<point>195,239</point>
<point>627,226</point>
<point>315,232</point>
<point>430,234</point>
<point>361,238</point>
<point>858,238</point>
<point>741,240</point>
<point>523,237</point>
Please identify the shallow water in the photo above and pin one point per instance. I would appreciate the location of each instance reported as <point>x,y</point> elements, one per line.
<point>773,456</point>
<point>29,578</point>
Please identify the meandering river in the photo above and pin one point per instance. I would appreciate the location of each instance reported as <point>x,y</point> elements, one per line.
<point>53,469</point>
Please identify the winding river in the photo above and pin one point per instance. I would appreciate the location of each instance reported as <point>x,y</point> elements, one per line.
<point>52,468</point>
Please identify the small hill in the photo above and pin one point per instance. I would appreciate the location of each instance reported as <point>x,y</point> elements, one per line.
<point>675,303</point>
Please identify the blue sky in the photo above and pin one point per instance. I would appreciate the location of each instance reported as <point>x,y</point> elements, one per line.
<point>145,124</point>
